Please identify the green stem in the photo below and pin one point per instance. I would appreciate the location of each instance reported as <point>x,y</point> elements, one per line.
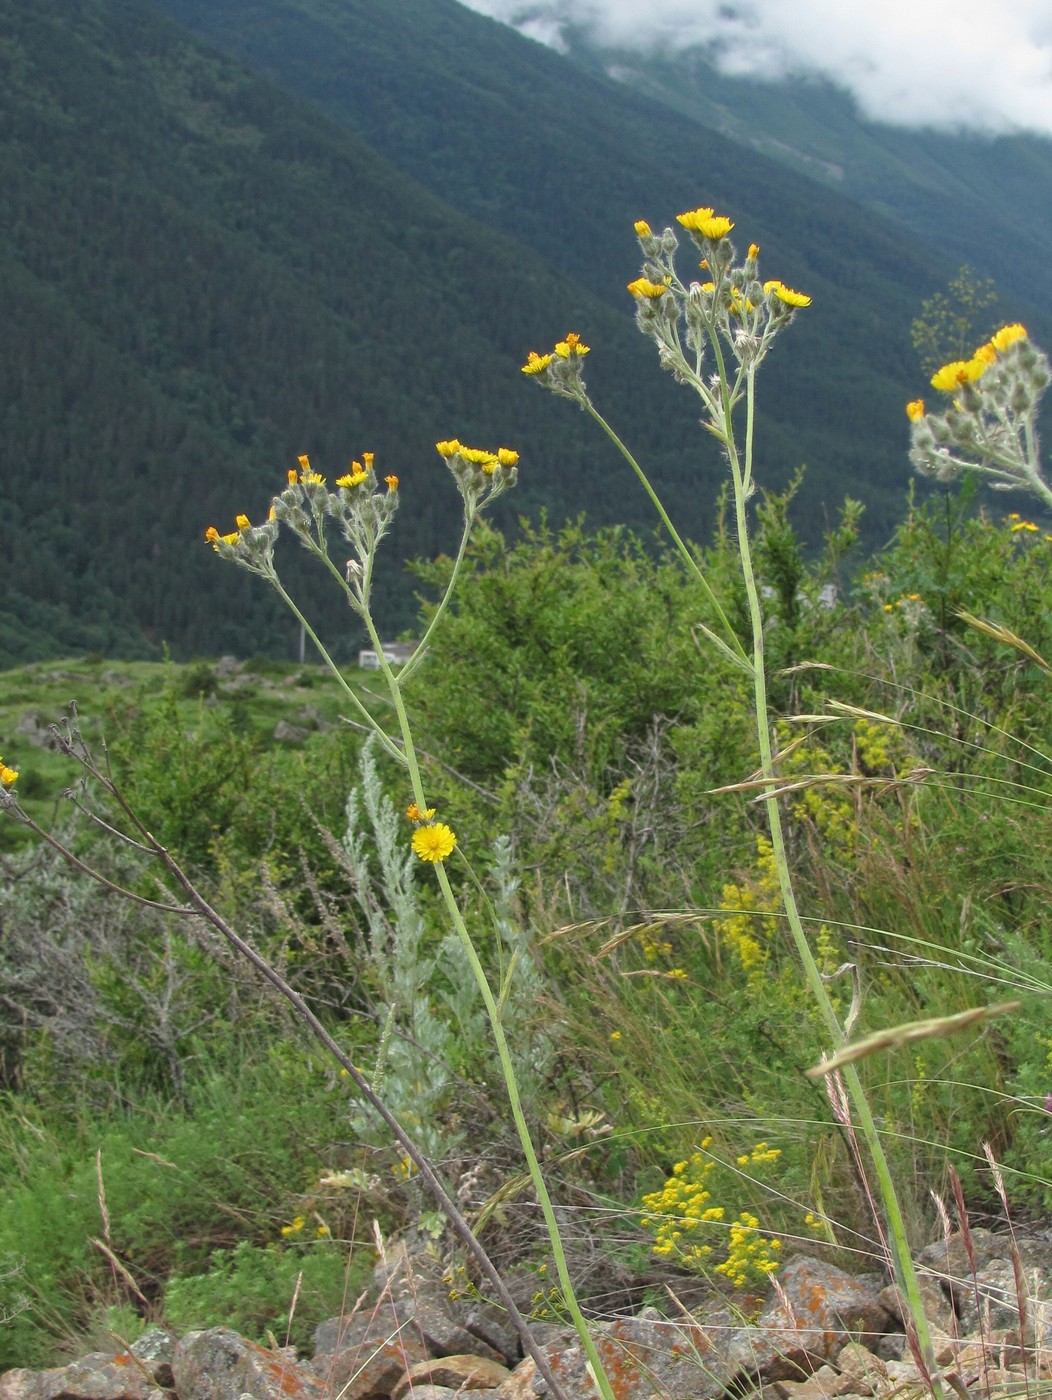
<point>685,553</point>
<point>900,1252</point>
<point>374,726</point>
<point>500,1039</point>
<point>421,651</point>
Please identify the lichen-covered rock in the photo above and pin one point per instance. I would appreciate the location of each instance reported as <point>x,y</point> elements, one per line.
<point>371,1353</point>
<point>218,1364</point>
<point>642,1356</point>
<point>459,1373</point>
<point>100,1376</point>
<point>816,1310</point>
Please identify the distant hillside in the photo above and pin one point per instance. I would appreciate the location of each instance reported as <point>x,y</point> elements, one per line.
<point>931,183</point>
<point>522,140</point>
<point>203,274</point>
<point>201,278</point>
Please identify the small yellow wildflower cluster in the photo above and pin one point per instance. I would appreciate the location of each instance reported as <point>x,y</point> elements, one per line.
<point>749,926</point>
<point>432,841</point>
<point>560,369</point>
<point>733,310</point>
<point>8,776</point>
<point>361,510</point>
<point>733,304</point>
<point>480,475</point>
<point>297,1227</point>
<point>404,1169</point>
<point>1017,525</point>
<point>990,424</point>
<point>750,1255</point>
<point>678,1214</point>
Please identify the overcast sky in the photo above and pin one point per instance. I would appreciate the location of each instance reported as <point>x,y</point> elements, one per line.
<point>947,63</point>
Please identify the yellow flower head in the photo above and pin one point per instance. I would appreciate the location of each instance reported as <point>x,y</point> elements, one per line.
<point>915,410</point>
<point>391,483</point>
<point>643,287</point>
<point>642,228</point>
<point>211,534</point>
<point>8,776</point>
<point>572,345</point>
<point>786,294</point>
<point>709,224</point>
<point>479,457</point>
<point>506,457</point>
<point>434,843</point>
<point>367,458</point>
<point>413,813</point>
<point>958,372</point>
<point>447,449</point>
<point>754,251</point>
<point>242,522</point>
<point>1007,336</point>
<point>304,462</point>
<point>354,478</point>
<point>536,364</point>
<point>293,476</point>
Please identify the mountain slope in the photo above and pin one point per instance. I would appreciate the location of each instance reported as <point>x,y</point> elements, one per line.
<point>982,200</point>
<point>200,279</point>
<point>522,140</point>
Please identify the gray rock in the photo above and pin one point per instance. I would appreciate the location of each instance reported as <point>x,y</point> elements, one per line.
<point>817,1309</point>
<point>217,1364</point>
<point>642,1357</point>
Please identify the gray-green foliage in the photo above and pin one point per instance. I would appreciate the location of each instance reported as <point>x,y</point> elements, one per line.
<point>435,1027</point>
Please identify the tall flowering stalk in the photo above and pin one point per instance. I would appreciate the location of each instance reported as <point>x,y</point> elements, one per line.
<point>712,336</point>
<point>362,512</point>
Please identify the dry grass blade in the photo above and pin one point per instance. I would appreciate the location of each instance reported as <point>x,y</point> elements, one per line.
<point>589,927</point>
<point>1004,635</point>
<point>895,1037</point>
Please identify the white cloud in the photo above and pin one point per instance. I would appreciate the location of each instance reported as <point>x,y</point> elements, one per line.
<point>937,63</point>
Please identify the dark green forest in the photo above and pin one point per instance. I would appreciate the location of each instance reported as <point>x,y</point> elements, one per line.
<point>205,274</point>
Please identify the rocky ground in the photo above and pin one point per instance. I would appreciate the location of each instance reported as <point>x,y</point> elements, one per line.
<point>820,1333</point>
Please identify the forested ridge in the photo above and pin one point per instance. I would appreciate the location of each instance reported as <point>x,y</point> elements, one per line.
<point>203,276</point>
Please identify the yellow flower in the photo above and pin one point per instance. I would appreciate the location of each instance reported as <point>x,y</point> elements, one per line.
<point>956,373</point>
<point>8,776</point>
<point>786,294</point>
<point>986,353</point>
<point>211,535</point>
<point>1024,525</point>
<point>479,457</point>
<point>413,813</point>
<point>535,364</point>
<point>1007,336</point>
<point>643,287</point>
<point>242,522</point>
<point>354,478</point>
<point>706,222</point>
<point>391,483</point>
<point>754,251</point>
<point>572,345</point>
<point>506,457</point>
<point>448,449</point>
<point>304,462</point>
<point>293,476</point>
<point>678,973</point>
<point>434,843</point>
<point>642,228</point>
<point>615,1036</point>
<point>915,410</point>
